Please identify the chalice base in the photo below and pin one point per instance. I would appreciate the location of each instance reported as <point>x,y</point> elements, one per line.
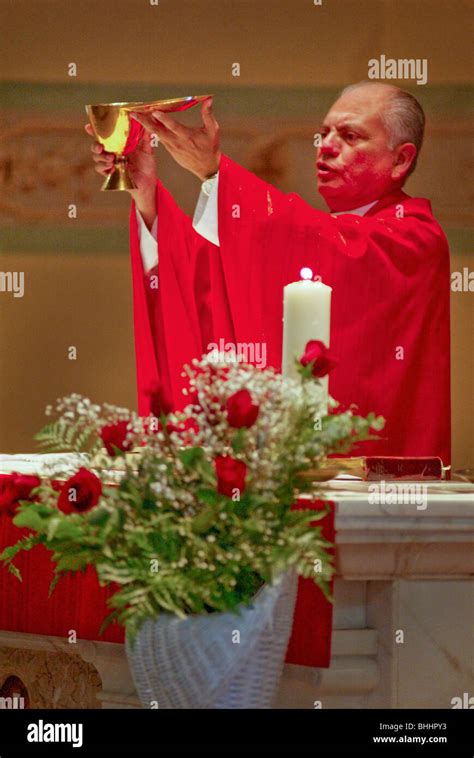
<point>119,179</point>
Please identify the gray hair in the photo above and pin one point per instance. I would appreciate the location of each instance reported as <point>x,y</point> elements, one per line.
<point>402,116</point>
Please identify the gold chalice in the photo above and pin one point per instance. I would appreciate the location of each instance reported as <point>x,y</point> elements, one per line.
<point>120,133</point>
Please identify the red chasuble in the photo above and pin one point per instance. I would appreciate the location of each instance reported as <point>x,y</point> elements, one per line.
<point>390,275</point>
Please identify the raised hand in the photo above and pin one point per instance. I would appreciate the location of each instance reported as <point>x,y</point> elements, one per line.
<point>195,148</point>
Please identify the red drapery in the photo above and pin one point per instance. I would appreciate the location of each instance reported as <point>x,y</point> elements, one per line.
<point>79,603</point>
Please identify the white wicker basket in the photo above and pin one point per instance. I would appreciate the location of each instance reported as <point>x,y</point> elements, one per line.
<point>197,662</point>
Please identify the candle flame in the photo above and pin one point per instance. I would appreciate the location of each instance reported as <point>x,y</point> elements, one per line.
<point>306,273</point>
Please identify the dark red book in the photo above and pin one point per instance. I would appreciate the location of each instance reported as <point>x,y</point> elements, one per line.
<point>394,467</point>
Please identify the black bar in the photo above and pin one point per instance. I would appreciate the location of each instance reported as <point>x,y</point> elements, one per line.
<point>288,732</point>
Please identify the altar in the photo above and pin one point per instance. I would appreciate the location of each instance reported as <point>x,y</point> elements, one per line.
<point>403,619</point>
<point>404,606</point>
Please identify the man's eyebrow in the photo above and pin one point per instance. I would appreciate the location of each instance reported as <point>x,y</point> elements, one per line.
<point>349,125</point>
<point>343,125</point>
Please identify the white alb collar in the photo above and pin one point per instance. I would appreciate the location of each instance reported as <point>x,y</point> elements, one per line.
<point>357,211</point>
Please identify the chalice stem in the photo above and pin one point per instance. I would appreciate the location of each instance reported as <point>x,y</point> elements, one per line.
<point>119,179</point>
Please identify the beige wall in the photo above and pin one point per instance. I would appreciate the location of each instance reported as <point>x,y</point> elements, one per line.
<point>277,42</point>
<point>293,56</point>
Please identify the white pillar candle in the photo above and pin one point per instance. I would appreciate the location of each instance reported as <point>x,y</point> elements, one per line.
<point>306,316</point>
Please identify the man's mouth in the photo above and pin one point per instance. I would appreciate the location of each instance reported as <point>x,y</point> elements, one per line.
<point>324,169</point>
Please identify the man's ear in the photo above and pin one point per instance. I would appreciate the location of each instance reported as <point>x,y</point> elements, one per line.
<point>404,155</point>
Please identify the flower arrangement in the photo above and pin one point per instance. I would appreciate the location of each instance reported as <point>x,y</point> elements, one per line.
<point>189,512</point>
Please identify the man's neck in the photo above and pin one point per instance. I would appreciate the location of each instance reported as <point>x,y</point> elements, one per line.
<point>355,204</point>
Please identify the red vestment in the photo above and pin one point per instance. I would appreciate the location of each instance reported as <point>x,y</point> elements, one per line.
<point>390,275</point>
<point>389,271</point>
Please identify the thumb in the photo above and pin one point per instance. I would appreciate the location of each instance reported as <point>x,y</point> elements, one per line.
<point>145,120</point>
<point>89,129</point>
<point>207,115</point>
<point>148,131</point>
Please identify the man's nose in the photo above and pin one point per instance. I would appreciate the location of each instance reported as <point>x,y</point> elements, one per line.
<point>329,147</point>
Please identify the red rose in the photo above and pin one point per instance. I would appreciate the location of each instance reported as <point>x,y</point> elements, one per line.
<point>241,410</point>
<point>80,492</point>
<point>15,487</point>
<point>230,475</point>
<point>317,351</point>
<point>115,435</point>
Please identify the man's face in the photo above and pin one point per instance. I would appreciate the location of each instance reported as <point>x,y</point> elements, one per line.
<point>354,163</point>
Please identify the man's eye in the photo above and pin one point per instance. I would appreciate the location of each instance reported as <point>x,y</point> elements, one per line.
<point>350,136</point>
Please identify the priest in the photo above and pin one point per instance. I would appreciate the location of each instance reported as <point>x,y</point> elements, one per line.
<point>222,273</point>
